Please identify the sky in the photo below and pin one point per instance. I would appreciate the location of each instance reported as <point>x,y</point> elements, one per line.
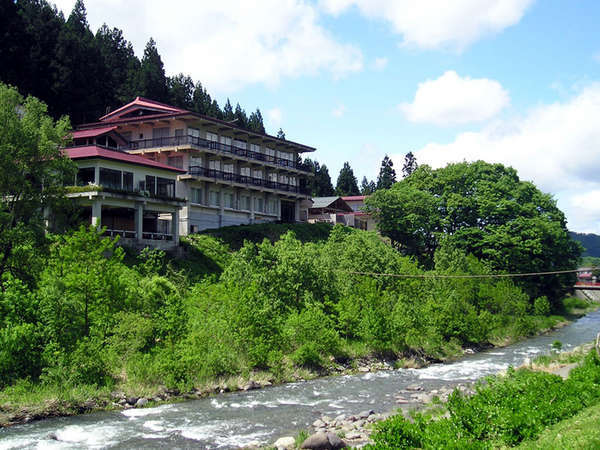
<point>509,81</point>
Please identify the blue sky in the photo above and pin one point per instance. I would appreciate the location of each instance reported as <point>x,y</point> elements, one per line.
<point>511,81</point>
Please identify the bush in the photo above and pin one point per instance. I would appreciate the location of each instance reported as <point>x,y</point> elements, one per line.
<point>541,306</point>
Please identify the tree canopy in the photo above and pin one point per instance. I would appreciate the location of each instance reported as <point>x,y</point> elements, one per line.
<point>320,183</point>
<point>347,183</point>
<point>483,209</point>
<point>410,164</point>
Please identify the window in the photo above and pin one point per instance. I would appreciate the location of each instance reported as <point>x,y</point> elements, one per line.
<point>213,198</point>
<point>179,132</point>
<point>284,179</point>
<point>285,155</point>
<point>110,178</point>
<point>214,164</point>
<point>228,200</point>
<point>293,181</point>
<point>225,140</point>
<point>151,184</point>
<point>228,168</point>
<point>175,161</point>
<point>128,181</point>
<point>259,204</point>
<point>240,144</point>
<point>272,206</point>
<point>194,132</point>
<point>196,195</point>
<point>212,137</point>
<point>269,151</point>
<point>257,174</point>
<point>85,176</point>
<point>245,202</point>
<point>255,148</point>
<point>165,187</point>
<point>272,176</point>
<point>179,139</point>
<point>160,136</point>
<point>245,171</point>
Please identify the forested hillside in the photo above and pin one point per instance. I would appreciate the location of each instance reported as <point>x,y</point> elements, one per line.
<point>589,241</point>
<point>84,75</point>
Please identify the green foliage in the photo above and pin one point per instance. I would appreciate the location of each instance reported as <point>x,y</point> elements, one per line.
<point>541,306</point>
<point>482,209</point>
<point>505,410</point>
<point>387,174</point>
<point>347,184</point>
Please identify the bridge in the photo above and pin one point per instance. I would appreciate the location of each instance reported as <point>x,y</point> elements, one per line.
<point>586,290</point>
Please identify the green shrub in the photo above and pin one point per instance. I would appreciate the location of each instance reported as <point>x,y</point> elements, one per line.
<point>541,306</point>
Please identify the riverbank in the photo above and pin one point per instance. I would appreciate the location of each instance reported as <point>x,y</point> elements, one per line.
<point>27,402</point>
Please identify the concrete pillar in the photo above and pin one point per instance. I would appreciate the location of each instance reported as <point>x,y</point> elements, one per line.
<point>139,221</point>
<point>97,213</point>
<point>278,206</point>
<point>252,216</point>
<point>221,206</point>
<point>175,226</point>
<point>97,175</point>
<point>297,213</point>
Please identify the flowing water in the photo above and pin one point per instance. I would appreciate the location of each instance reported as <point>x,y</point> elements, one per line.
<point>236,419</point>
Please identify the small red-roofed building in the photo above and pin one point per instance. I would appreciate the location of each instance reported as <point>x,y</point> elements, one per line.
<point>361,219</point>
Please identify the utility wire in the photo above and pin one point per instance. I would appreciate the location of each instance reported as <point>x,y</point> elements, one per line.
<point>497,275</point>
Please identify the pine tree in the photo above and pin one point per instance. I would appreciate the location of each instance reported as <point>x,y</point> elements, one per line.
<point>240,116</point>
<point>387,174</point>
<point>255,122</point>
<point>346,182</point>
<point>367,187</point>
<point>410,164</point>
<point>79,71</point>
<point>153,82</point>
<point>324,187</point>
<point>228,111</point>
<point>181,91</point>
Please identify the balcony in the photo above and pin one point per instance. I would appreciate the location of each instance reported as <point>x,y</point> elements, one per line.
<point>242,179</point>
<point>172,141</point>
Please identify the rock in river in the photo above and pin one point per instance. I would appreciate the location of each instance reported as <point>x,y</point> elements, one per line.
<point>323,441</point>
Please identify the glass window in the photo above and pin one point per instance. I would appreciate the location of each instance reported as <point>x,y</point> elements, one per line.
<point>293,181</point>
<point>272,206</point>
<point>196,195</point>
<point>214,164</point>
<point>110,178</point>
<point>212,137</point>
<point>194,132</point>
<point>128,181</point>
<point>283,179</point>
<point>255,148</point>
<point>165,187</point>
<point>228,200</point>
<point>240,144</point>
<point>259,204</point>
<point>228,168</point>
<point>225,140</point>
<point>257,174</point>
<point>269,151</point>
<point>273,176</point>
<point>179,132</point>
<point>245,171</point>
<point>213,198</point>
<point>245,202</point>
<point>196,161</point>
<point>151,184</point>
<point>175,161</point>
<point>85,176</point>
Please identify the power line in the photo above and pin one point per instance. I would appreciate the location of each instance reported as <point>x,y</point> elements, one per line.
<point>497,275</point>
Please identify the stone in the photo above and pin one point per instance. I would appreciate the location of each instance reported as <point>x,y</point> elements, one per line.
<point>365,414</point>
<point>122,401</point>
<point>402,400</point>
<point>317,441</point>
<point>335,442</point>
<point>141,402</point>
<point>340,418</point>
<point>318,424</point>
<point>414,387</point>
<point>359,423</point>
<point>363,369</point>
<point>354,435</point>
<point>250,385</point>
<point>326,419</point>
<point>285,443</point>
<point>132,400</point>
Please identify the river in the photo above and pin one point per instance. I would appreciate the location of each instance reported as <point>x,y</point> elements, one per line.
<point>236,419</point>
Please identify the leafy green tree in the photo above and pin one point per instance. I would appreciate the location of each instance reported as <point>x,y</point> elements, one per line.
<point>32,174</point>
<point>153,81</point>
<point>346,182</point>
<point>485,210</point>
<point>387,174</point>
<point>410,164</point>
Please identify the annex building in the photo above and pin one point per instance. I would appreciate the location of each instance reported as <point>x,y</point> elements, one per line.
<point>149,171</point>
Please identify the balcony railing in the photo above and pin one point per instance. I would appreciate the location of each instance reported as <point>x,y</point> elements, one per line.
<point>243,179</point>
<point>212,145</point>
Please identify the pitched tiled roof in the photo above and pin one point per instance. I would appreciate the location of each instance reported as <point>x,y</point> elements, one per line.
<point>93,151</point>
<point>79,134</point>
<point>354,198</point>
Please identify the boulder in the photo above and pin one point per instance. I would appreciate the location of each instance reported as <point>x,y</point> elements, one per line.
<point>414,387</point>
<point>323,441</point>
<point>285,443</point>
<point>132,400</point>
<point>365,414</point>
<point>318,424</point>
<point>141,402</point>
<point>250,385</point>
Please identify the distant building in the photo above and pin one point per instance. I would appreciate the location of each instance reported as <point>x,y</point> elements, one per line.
<point>151,170</point>
<point>362,220</point>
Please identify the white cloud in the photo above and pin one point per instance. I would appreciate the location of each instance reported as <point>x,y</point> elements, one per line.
<point>556,146</point>
<point>274,116</point>
<point>380,63</point>
<point>451,100</point>
<point>596,57</point>
<point>435,23</point>
<point>229,43</point>
<point>338,111</point>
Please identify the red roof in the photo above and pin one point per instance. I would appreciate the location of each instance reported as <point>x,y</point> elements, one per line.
<point>142,102</point>
<point>354,198</point>
<point>93,151</point>
<point>92,132</point>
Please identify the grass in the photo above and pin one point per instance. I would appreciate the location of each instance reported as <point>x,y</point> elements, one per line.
<point>579,432</point>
